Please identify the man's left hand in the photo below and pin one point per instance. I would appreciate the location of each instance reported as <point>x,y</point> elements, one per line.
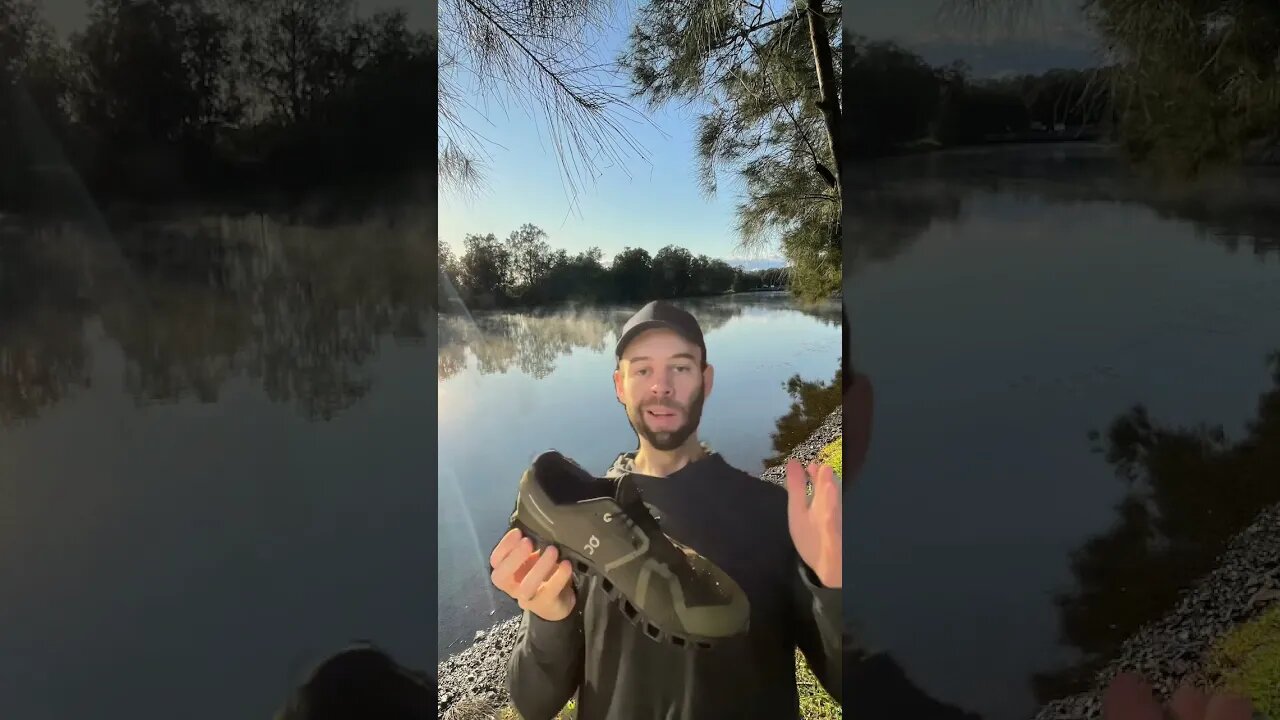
<point>816,525</point>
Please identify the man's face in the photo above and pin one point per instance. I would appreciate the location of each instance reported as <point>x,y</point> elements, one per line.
<point>661,381</point>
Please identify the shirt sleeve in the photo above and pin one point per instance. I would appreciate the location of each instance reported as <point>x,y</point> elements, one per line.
<point>545,668</point>
<point>819,625</point>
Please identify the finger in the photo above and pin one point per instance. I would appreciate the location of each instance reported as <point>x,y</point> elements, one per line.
<point>504,573</point>
<point>538,574</point>
<point>828,493</point>
<point>1229,707</point>
<point>518,576</point>
<point>560,579</point>
<point>797,481</point>
<point>1189,703</point>
<point>1129,697</point>
<point>504,547</point>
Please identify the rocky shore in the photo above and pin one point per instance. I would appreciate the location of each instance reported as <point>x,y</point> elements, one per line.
<point>1175,647</point>
<point>473,681</point>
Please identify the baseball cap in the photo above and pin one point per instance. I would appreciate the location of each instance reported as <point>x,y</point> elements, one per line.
<point>662,314</point>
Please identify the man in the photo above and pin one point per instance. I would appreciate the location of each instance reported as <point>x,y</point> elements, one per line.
<point>782,547</point>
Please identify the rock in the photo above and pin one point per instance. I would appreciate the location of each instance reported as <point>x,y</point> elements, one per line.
<point>1174,648</point>
<point>479,634</point>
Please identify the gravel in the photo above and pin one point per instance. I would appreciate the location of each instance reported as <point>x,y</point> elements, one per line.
<point>473,681</point>
<point>1245,583</point>
<point>808,450</point>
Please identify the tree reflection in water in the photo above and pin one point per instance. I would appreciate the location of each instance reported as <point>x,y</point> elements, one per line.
<point>192,305</point>
<point>1190,490</point>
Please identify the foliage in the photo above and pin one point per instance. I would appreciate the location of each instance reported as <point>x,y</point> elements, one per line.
<point>1190,489</point>
<point>832,455</point>
<point>1195,84</point>
<point>163,100</point>
<point>1247,661</point>
<point>811,403</point>
<point>897,100</point>
<point>523,270</point>
<point>541,55</point>
<point>764,122</point>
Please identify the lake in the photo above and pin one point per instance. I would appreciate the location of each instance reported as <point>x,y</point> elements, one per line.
<point>1018,518</point>
<point>214,459</point>
<point>512,385</point>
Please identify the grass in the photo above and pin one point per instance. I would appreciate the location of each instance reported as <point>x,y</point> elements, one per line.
<point>1247,661</point>
<point>815,703</point>
<point>832,453</point>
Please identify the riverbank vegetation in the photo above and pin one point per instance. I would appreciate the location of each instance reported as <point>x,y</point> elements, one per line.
<point>1247,661</point>
<point>762,82</point>
<point>524,271</point>
<point>203,100</point>
<point>899,103</point>
<point>1191,91</point>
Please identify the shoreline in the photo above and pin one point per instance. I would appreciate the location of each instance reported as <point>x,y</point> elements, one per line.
<point>478,672</point>
<point>1244,583</point>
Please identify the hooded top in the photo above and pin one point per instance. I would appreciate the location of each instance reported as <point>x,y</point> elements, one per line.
<point>739,522</point>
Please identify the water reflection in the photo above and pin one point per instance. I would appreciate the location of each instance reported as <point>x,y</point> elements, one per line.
<point>193,305</point>
<point>894,202</point>
<point>532,342</point>
<point>811,402</point>
<point>43,357</point>
<point>1190,490</point>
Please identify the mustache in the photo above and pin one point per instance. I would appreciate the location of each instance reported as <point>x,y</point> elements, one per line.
<point>669,404</point>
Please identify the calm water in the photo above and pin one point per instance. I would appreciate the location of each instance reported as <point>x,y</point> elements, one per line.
<point>214,461</point>
<point>514,385</point>
<point>1007,305</point>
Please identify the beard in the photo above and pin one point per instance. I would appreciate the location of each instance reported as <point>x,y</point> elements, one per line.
<point>668,440</point>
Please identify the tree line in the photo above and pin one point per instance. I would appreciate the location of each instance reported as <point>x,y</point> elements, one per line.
<point>896,99</point>
<point>524,271</point>
<point>157,100</point>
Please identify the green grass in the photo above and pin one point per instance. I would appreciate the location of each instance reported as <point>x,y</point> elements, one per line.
<point>832,453</point>
<point>1247,661</point>
<point>815,703</point>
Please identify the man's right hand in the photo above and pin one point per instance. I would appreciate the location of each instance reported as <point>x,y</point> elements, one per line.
<point>539,581</point>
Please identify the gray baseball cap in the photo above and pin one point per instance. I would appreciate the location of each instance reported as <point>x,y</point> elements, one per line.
<point>662,314</point>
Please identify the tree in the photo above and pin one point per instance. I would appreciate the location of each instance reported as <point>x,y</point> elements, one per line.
<point>771,84</point>
<point>485,270</point>
<point>149,90</point>
<point>673,271</point>
<point>530,261</point>
<point>893,97</point>
<point>294,49</point>
<point>632,274</point>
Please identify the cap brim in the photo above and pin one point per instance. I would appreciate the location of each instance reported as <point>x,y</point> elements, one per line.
<point>631,334</point>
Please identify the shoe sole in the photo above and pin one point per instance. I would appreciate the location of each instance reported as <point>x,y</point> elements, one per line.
<point>585,566</point>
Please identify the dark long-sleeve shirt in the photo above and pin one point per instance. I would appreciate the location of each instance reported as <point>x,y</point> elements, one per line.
<point>738,522</point>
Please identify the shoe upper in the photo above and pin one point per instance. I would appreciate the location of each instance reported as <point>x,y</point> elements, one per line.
<point>606,523</point>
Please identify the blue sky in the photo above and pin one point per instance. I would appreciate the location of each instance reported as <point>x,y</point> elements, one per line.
<point>647,202</point>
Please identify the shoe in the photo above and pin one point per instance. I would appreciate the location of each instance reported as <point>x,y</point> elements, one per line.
<point>603,527</point>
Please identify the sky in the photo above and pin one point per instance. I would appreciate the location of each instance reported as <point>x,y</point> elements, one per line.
<point>650,200</point>
<point>1049,34</point>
